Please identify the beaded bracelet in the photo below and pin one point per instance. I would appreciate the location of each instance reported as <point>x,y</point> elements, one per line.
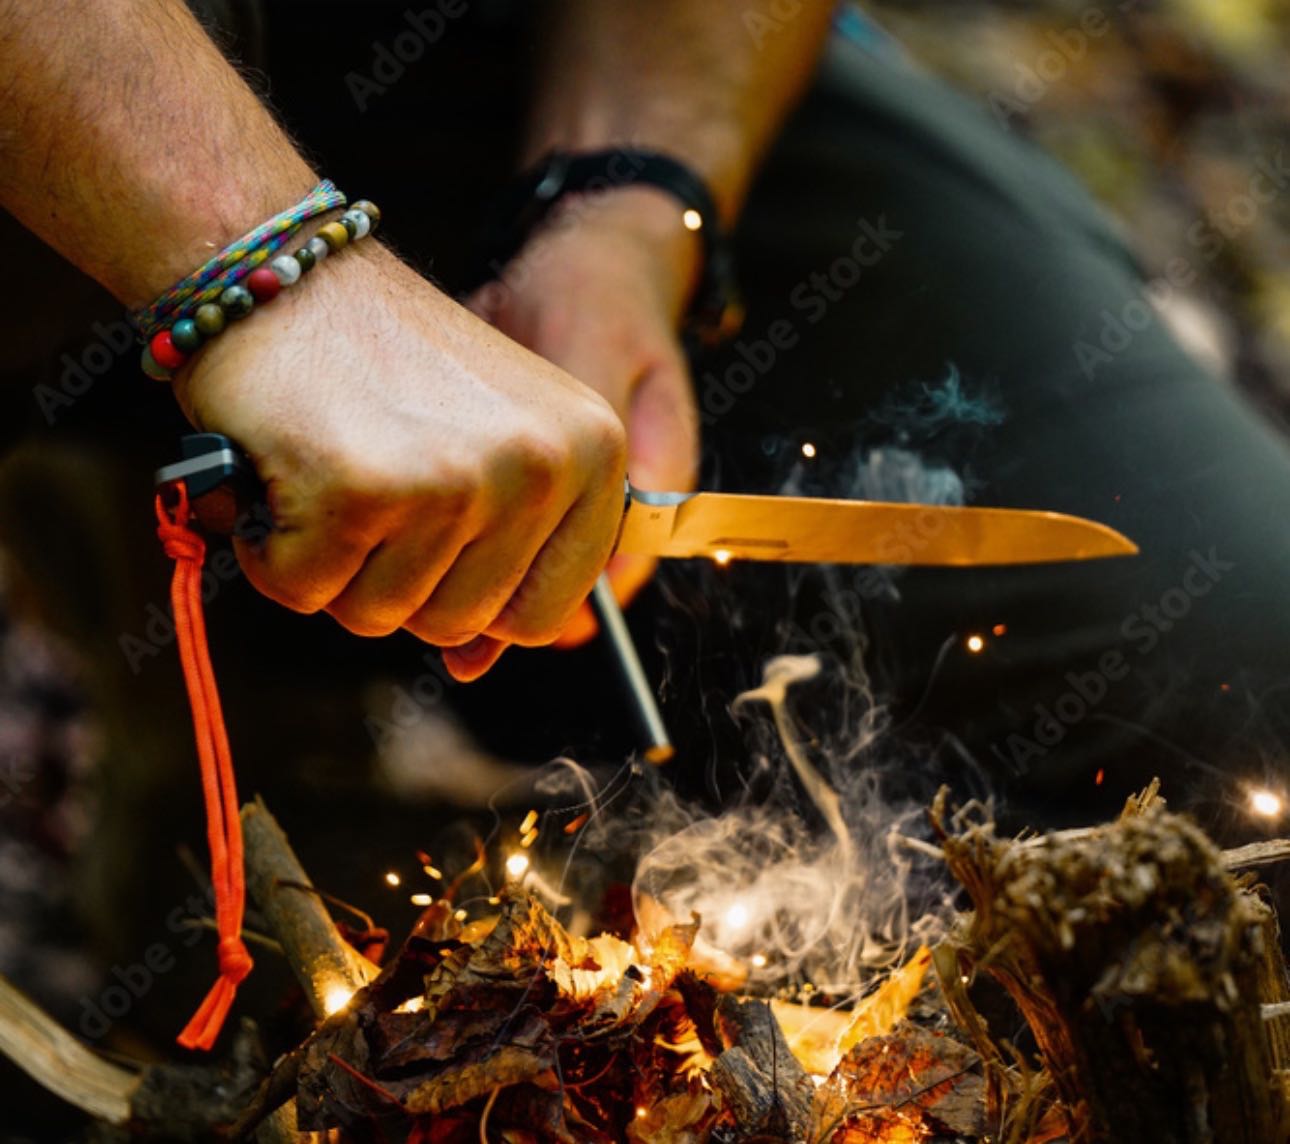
<point>168,349</point>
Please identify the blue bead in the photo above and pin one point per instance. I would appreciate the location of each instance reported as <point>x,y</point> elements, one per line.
<point>186,336</point>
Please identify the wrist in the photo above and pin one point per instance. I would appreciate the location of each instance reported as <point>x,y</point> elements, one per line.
<point>187,228</point>
<point>652,219</point>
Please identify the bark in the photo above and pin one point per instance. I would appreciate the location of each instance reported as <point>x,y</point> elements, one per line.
<point>1140,964</point>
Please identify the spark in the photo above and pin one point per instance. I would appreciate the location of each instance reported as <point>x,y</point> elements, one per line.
<point>412,1005</point>
<point>976,644</point>
<point>461,915</point>
<point>737,916</point>
<point>433,872</point>
<point>759,961</point>
<point>808,450</point>
<point>336,998</point>
<point>392,878</point>
<point>530,821</point>
<point>422,900</point>
<point>1100,777</point>
<point>517,865</point>
<point>1266,804</point>
<point>1000,629</point>
<point>529,839</point>
<point>641,1112</point>
<point>692,219</point>
<point>722,556</point>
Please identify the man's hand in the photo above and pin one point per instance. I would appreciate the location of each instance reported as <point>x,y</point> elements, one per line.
<point>424,472</point>
<point>599,291</point>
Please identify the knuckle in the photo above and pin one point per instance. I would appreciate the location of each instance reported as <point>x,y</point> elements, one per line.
<point>540,465</point>
<point>606,437</point>
<point>362,621</point>
<point>440,629</point>
<point>291,591</point>
<point>453,492</point>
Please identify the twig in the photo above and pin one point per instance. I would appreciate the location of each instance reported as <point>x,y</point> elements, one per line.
<point>247,935</point>
<point>483,1120</point>
<point>1257,854</point>
<point>57,1061</point>
<point>326,966</point>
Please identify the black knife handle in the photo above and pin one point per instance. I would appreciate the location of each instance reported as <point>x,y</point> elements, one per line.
<point>224,492</point>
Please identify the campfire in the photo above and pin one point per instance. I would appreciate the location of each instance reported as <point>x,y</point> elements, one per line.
<point>1120,983</point>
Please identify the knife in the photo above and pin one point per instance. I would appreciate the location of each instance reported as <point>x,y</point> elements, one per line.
<point>734,526</point>
<point>221,482</point>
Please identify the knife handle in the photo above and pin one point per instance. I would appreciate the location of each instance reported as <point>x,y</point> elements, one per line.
<point>228,498</point>
<point>224,491</point>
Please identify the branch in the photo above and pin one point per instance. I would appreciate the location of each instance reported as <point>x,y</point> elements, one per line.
<point>57,1061</point>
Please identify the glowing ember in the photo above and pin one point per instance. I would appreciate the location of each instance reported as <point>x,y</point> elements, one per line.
<point>517,865</point>
<point>737,916</point>
<point>808,450</point>
<point>1000,629</point>
<point>422,900</point>
<point>1266,804</point>
<point>975,644</point>
<point>336,998</point>
<point>392,878</point>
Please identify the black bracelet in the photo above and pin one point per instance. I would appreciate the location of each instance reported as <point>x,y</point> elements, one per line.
<point>715,312</point>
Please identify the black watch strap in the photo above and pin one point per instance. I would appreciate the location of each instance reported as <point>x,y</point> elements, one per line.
<point>715,312</point>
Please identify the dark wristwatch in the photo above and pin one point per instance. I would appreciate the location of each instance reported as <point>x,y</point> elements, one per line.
<point>715,312</point>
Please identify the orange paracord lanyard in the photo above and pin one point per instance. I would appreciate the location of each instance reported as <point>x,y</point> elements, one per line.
<point>223,826</point>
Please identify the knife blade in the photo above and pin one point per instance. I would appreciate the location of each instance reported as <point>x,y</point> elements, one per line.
<point>816,530</point>
<point>735,526</point>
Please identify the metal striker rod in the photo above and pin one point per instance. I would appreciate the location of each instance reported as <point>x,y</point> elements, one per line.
<point>609,616</point>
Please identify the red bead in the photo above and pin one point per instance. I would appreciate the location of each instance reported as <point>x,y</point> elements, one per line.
<point>164,352</point>
<point>263,284</point>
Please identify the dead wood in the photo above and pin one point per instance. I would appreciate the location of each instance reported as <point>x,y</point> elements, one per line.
<point>158,1102</point>
<point>1138,963</point>
<point>765,1088</point>
<point>57,1061</point>
<point>326,966</point>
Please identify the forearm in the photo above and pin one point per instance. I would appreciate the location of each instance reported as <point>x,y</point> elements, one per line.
<point>129,144</point>
<point>695,80</point>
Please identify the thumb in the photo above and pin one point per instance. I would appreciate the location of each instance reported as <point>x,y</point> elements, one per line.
<point>663,430</point>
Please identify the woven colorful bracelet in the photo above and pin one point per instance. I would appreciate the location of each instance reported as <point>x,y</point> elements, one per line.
<point>171,347</point>
<point>235,261</point>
